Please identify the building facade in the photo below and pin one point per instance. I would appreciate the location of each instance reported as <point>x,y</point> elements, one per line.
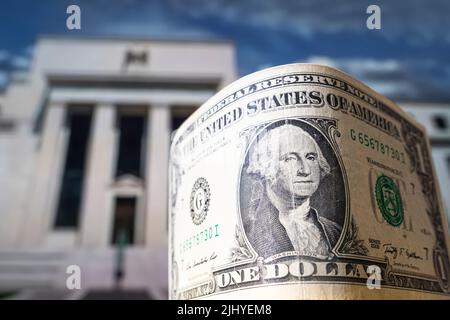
<point>84,146</point>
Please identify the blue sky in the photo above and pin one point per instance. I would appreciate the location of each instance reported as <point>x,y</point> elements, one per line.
<point>408,58</point>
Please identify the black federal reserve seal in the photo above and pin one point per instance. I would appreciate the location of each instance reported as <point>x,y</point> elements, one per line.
<point>199,202</point>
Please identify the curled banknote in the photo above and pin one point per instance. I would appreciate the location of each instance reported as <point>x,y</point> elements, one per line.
<point>300,182</point>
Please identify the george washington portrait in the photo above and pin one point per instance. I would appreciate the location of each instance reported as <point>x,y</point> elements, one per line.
<point>291,192</point>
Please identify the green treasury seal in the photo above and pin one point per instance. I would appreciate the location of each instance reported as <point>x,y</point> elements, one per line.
<point>389,200</point>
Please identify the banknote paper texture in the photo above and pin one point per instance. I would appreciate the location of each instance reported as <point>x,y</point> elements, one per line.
<point>300,182</point>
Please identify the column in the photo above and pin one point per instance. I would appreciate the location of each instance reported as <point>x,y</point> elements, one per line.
<point>96,208</point>
<point>40,212</point>
<point>158,139</point>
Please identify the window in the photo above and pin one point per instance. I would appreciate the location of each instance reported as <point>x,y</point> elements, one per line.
<point>179,115</point>
<point>123,231</point>
<point>73,174</point>
<point>440,121</point>
<point>6,125</point>
<point>131,141</point>
<point>448,164</point>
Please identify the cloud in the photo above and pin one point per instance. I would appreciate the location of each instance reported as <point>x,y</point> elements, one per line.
<point>9,63</point>
<point>138,18</point>
<point>3,79</point>
<point>20,62</point>
<point>4,55</point>
<point>153,29</point>
<point>272,32</point>
<point>393,78</point>
<point>416,21</point>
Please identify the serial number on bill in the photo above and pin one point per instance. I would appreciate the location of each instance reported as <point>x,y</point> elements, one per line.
<point>374,144</point>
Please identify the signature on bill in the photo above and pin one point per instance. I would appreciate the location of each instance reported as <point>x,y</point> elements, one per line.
<point>396,252</point>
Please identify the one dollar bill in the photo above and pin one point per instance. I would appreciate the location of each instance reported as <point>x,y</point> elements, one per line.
<point>300,182</point>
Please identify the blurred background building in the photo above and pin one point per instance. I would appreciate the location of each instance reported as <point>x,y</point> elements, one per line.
<point>84,148</point>
<point>86,116</point>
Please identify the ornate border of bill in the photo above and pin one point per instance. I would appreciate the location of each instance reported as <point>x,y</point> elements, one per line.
<point>330,184</point>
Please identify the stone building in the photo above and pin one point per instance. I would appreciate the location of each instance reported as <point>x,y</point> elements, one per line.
<point>84,145</point>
